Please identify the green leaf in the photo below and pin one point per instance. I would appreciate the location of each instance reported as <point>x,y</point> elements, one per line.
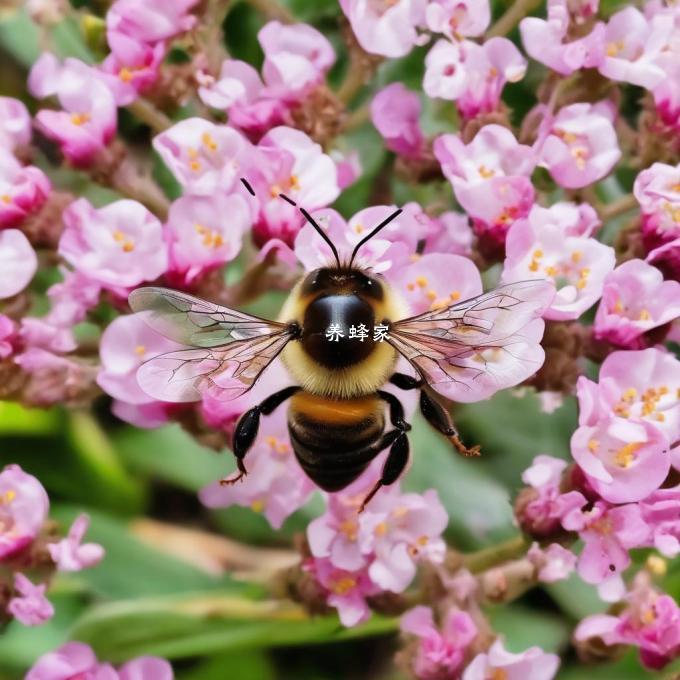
<point>16,419</point>
<point>523,627</point>
<point>576,598</point>
<point>242,665</point>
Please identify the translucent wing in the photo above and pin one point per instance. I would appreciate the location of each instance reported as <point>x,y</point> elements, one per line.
<point>192,321</point>
<point>228,349</point>
<point>472,349</point>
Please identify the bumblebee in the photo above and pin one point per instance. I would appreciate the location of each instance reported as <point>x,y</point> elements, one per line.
<point>337,409</point>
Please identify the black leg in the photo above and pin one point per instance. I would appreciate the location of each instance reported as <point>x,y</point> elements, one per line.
<point>406,382</point>
<point>396,410</point>
<point>439,418</point>
<point>394,465</point>
<point>248,426</point>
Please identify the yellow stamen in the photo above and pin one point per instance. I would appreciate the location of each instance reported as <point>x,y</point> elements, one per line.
<point>576,256</point>
<point>257,505</point>
<point>140,349</point>
<point>208,141</point>
<point>80,118</point>
<point>421,281</point>
<point>625,456</point>
<point>343,585</point>
<point>6,198</point>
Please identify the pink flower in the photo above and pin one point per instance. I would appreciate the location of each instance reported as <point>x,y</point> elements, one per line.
<point>131,68</point>
<point>498,662</point>
<point>70,554</point>
<point>15,123</point>
<point>296,57</point>
<point>450,232</point>
<point>23,190</point>
<point>490,177</point>
<point>395,112</point>
<point>292,164</point>
<point>7,336</point>
<point>667,259</point>
<point>23,510</point>
<point>73,298</point>
<point>441,652</point>
<point>151,21</point>
<point>456,18</point>
<point>275,485</point>
<point>346,591</point>
<point>547,41</point>
<point>650,621</point>
<point>623,460</point>
<point>581,146</point>
<point>18,262</point>
<point>204,157</point>
<point>30,606</point>
<point>146,668</point>
<point>555,563</point>
<point>386,27</point>
<point>657,189</point>
<point>660,512</point>
<point>635,300</point>
<point>546,245</point>
<point>607,533</point>
<point>118,246</point>
<point>445,75</point>
<point>42,333</point>
<point>632,44</point>
<point>125,344</point>
<point>200,238</point>
<point>87,122</point>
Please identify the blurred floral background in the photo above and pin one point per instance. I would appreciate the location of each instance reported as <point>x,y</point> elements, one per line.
<point>522,141</point>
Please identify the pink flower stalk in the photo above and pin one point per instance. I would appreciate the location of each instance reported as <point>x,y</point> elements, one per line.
<point>77,661</point>
<point>635,300</point>
<point>457,19</point>
<point>650,621</point>
<point>395,112</point>
<point>292,164</point>
<point>18,262</point>
<point>548,41</point>
<point>498,662</point>
<point>8,336</point>
<point>386,27</point>
<point>118,246</point>
<point>200,239</point>
<point>547,244</point>
<point>30,606</point>
<point>632,45</point>
<point>131,68</point>
<point>15,124</point>
<point>70,554</point>
<point>23,510</point>
<point>581,146</point>
<point>23,190</point>
<point>660,512</point>
<point>441,652</point>
<point>152,21</point>
<point>657,190</point>
<point>608,533</point>
<point>490,177</point>
<point>204,157</point>
<point>275,485</point>
<point>88,119</point>
<point>555,563</point>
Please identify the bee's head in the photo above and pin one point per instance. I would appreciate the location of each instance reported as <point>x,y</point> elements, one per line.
<point>335,281</point>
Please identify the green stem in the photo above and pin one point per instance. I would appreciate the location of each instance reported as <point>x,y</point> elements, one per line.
<point>146,112</point>
<point>618,207</point>
<point>273,10</point>
<point>486,558</point>
<point>514,14</point>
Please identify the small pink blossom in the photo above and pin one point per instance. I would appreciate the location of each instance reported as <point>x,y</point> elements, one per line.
<point>348,166</point>
<point>395,112</point>
<point>449,232</point>
<point>458,18</point>
<point>204,157</point>
<point>275,485</point>
<point>146,668</point>
<point>23,190</point>
<point>555,563</point>
<point>15,124</point>
<point>118,246</point>
<point>635,300</point>
<point>200,238</point>
<point>72,298</point>
<point>546,245</point>
<point>18,262</point>
<point>547,41</point>
<point>150,21</point>
<point>386,27</point>
<point>441,652</point>
<point>498,662</point>
<point>608,533</point>
<point>581,146</point>
<point>70,554</point>
<point>87,122</point>
<point>445,76</point>
<point>8,336</point>
<point>30,606</point>
<point>42,333</point>
<point>660,512</point>
<point>23,510</point>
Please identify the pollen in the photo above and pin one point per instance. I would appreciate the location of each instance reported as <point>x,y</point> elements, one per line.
<point>550,270</point>
<point>656,565</point>
<point>648,616</point>
<point>380,529</point>
<point>431,295</point>
<point>195,166</point>
<point>208,141</point>
<point>271,441</point>
<point>257,505</point>
<point>359,228</point>
<point>629,395</point>
<point>80,118</point>
<point>126,74</point>
<point>411,286</point>
<point>614,48</point>
<point>294,183</point>
<point>140,349</point>
<point>576,256</point>
<point>350,528</point>
<point>498,674</point>
<point>421,282</point>
<point>274,190</point>
<point>455,295</point>
<point>8,497</point>
<point>128,246</point>
<point>625,456</point>
<point>343,585</point>
<point>486,172</point>
<point>6,198</point>
<point>593,445</point>
<point>618,307</point>
<point>644,315</point>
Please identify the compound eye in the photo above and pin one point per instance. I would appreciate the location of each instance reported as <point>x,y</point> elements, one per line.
<point>371,287</point>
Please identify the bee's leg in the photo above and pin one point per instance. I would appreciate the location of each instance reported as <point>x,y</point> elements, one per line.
<point>439,418</point>
<point>394,465</point>
<point>248,426</point>
<point>396,410</point>
<point>406,382</point>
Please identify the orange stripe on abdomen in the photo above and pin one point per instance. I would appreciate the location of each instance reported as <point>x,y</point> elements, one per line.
<point>335,411</point>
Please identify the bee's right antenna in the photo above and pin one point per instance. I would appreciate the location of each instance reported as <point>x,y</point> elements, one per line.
<point>307,216</point>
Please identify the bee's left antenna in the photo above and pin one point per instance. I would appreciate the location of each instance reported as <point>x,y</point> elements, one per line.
<point>307,216</point>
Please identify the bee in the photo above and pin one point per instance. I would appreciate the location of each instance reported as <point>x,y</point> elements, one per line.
<point>338,407</point>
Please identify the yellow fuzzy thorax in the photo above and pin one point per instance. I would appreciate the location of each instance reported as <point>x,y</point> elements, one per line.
<point>360,379</point>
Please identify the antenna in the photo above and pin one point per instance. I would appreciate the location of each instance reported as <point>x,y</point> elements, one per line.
<point>307,216</point>
<point>383,224</point>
